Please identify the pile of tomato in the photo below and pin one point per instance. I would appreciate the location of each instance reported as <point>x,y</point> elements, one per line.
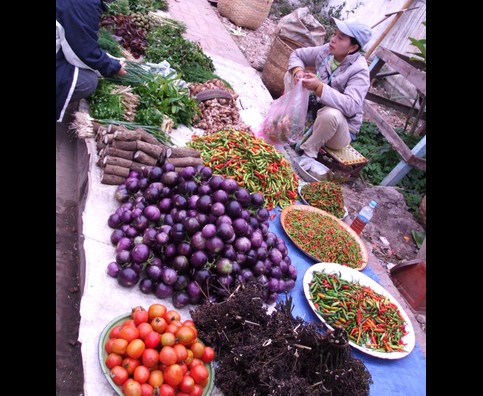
<point>155,353</point>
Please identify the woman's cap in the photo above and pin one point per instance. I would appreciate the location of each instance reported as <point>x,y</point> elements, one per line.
<point>353,28</point>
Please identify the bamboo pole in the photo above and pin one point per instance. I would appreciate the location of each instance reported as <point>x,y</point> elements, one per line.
<point>388,28</point>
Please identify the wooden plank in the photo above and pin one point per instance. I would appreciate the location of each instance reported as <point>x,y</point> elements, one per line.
<point>402,168</point>
<point>413,75</point>
<point>374,68</point>
<point>393,104</point>
<point>392,137</point>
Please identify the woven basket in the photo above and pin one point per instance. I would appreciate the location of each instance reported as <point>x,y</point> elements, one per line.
<point>224,7</point>
<point>249,14</point>
<point>277,63</point>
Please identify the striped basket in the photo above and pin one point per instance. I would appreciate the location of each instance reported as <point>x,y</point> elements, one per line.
<point>249,14</point>
<point>277,63</point>
<point>224,7</point>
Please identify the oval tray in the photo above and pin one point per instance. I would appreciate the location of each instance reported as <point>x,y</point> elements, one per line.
<point>362,246</point>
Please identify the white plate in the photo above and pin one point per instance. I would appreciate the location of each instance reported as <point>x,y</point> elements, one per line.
<point>299,189</point>
<point>354,276</point>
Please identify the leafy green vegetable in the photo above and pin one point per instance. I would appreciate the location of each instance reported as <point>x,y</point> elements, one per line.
<point>166,43</point>
<point>108,43</point>
<point>103,104</point>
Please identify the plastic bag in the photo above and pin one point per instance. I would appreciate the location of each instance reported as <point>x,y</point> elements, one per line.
<point>285,120</point>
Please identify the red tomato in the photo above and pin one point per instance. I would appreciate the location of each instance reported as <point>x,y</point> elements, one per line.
<point>119,346</point>
<point>173,374</point>
<point>139,315</point>
<point>195,362</point>
<point>167,355</point>
<point>152,339</point>
<point>185,335</point>
<point>187,384</point>
<point>156,378</point>
<point>189,322</point>
<point>113,359</point>
<point>129,333</point>
<point>119,375</point>
<point>114,333</point>
<point>189,359</point>
<point>141,374</point>
<point>108,346</point>
<point>166,390</point>
<point>199,373</point>
<point>208,354</point>
<point>135,348</point>
<point>129,322</point>
<point>130,364</point>
<point>172,315</point>
<point>159,324</point>
<point>197,391</point>
<point>150,357</point>
<point>172,328</point>
<point>168,339</point>
<point>131,388</point>
<point>184,367</point>
<point>181,352</point>
<point>147,390</point>
<point>198,348</point>
<point>144,328</point>
<point>156,310</point>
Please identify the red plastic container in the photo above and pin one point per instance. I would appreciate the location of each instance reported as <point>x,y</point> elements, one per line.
<point>411,283</point>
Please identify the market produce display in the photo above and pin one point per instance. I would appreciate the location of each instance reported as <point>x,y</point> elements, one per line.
<point>217,105</point>
<point>325,195</point>
<point>253,163</point>
<point>323,237</point>
<point>193,236</point>
<point>260,353</point>
<point>375,322</point>
<point>154,351</point>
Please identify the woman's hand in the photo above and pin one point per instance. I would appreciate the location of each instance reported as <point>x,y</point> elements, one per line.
<point>121,71</point>
<point>311,81</point>
<point>298,76</point>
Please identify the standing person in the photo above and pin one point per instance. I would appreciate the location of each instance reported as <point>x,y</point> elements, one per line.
<point>340,85</point>
<point>79,59</point>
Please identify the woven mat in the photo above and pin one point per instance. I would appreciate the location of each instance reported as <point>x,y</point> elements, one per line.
<point>347,156</point>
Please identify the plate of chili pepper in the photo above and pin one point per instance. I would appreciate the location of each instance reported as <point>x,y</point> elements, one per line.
<point>375,322</point>
<point>325,195</point>
<point>323,237</point>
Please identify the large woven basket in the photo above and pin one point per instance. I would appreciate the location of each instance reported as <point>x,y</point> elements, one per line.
<point>249,14</point>
<point>224,7</point>
<point>277,63</point>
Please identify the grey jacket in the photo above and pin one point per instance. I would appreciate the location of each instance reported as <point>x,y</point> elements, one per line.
<point>345,88</point>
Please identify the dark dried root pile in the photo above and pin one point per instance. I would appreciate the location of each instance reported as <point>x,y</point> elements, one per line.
<point>258,353</point>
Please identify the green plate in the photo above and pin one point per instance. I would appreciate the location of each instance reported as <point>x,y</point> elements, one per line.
<point>107,373</point>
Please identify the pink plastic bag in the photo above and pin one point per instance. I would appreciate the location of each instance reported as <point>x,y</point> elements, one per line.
<point>285,120</point>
